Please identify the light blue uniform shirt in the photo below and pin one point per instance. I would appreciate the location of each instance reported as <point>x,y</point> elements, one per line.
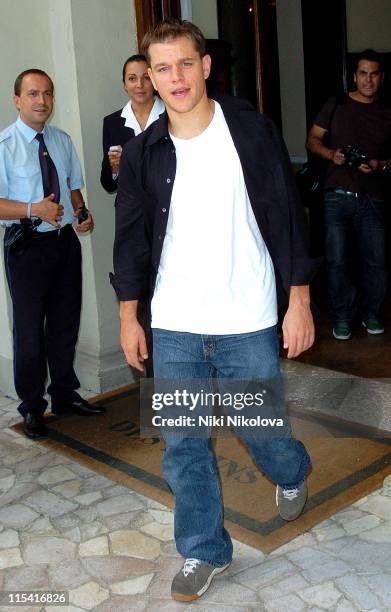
<point>20,171</point>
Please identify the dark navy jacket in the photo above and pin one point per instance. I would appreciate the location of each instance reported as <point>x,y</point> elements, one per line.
<point>114,133</point>
<point>146,178</point>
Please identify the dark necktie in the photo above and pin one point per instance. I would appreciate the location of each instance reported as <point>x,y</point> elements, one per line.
<point>50,181</point>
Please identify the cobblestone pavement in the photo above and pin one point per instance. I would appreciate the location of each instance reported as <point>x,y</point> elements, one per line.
<point>64,527</point>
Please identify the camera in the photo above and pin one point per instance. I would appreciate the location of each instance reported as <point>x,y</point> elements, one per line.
<point>354,156</point>
<point>83,214</point>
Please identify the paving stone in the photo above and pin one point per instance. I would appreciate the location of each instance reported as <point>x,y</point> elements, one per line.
<point>362,524</point>
<point>289,603</point>
<point>88,498</point>
<point>67,575</point>
<point>55,475</point>
<point>122,603</point>
<point>6,483</point>
<point>357,552</point>
<point>165,517</point>
<point>17,516</point>
<point>326,571</point>
<point>69,489</point>
<point>42,525</point>
<point>96,546</point>
<point>134,544</point>
<point>65,522</point>
<point>40,462</point>
<point>87,513</point>
<point>20,455</point>
<point>351,514</point>
<point>48,549</point>
<point>73,534</point>
<point>244,557</point>
<point>345,605</point>
<point>354,588</point>
<point>119,504</point>
<point>133,586</point>
<point>120,521</point>
<point>152,503</point>
<point>88,595</point>
<point>168,567</point>
<point>306,557</point>
<point>17,493</point>
<point>27,578</point>
<point>116,490</point>
<point>323,595</point>
<point>387,482</point>
<point>9,538</point>
<point>165,533</point>
<point>67,609</point>
<point>91,530</point>
<point>95,483</point>
<point>330,533</point>
<point>81,470</point>
<point>306,539</point>
<point>5,472</point>
<point>283,587</point>
<point>224,591</point>
<point>380,506</point>
<point>381,585</point>
<point>10,557</point>
<point>380,534</point>
<point>266,573</point>
<point>49,504</point>
<point>116,569</point>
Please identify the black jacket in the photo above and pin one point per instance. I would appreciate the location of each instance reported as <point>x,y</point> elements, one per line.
<point>146,178</point>
<point>114,133</point>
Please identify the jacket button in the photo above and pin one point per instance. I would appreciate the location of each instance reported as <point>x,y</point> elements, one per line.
<point>168,180</point>
<point>159,237</point>
<point>164,209</point>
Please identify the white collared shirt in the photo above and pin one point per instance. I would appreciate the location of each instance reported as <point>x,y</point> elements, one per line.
<point>130,118</point>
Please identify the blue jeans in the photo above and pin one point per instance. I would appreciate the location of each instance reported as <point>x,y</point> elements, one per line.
<point>364,216</point>
<point>189,464</point>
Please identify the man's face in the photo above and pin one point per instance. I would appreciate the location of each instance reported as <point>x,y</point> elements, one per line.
<point>178,73</point>
<point>368,78</point>
<point>35,102</point>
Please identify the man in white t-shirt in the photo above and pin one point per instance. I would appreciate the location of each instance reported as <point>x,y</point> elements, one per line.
<point>206,221</point>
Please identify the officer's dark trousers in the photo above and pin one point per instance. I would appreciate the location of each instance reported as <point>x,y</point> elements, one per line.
<point>45,286</point>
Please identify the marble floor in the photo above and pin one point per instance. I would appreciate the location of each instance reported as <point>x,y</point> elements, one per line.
<point>64,527</point>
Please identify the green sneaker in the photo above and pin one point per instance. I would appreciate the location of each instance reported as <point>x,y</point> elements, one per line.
<point>341,330</point>
<point>373,326</point>
<point>194,579</point>
<point>290,502</point>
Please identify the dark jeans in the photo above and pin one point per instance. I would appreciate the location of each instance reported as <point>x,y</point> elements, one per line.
<point>45,286</point>
<point>346,215</point>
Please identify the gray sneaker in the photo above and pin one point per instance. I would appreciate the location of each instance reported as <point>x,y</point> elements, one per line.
<point>194,579</point>
<point>290,502</point>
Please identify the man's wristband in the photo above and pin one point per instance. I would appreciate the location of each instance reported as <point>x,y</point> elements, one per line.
<point>28,211</point>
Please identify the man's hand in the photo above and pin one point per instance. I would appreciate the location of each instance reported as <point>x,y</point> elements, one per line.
<point>298,326</point>
<point>114,159</point>
<point>86,226</point>
<point>133,342</point>
<point>48,210</point>
<point>371,166</point>
<point>337,157</point>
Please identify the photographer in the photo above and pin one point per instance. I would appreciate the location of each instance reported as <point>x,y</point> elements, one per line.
<point>358,132</point>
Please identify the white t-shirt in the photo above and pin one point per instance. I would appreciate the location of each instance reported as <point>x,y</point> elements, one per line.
<point>215,274</point>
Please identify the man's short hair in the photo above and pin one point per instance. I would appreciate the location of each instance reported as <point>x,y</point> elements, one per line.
<point>371,56</point>
<point>133,58</point>
<point>20,77</point>
<point>169,29</point>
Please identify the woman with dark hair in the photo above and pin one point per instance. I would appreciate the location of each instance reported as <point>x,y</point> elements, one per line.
<point>142,109</point>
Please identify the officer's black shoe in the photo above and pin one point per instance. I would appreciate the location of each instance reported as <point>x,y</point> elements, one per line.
<point>34,426</point>
<point>76,405</point>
